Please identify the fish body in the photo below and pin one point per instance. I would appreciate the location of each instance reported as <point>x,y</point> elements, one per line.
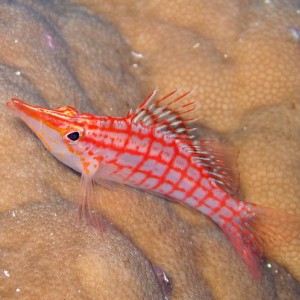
<point>146,158</point>
<point>152,149</point>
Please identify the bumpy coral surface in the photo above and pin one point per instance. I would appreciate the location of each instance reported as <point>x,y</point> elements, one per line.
<point>242,56</point>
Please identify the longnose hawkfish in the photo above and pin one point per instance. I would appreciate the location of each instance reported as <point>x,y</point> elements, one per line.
<point>152,149</point>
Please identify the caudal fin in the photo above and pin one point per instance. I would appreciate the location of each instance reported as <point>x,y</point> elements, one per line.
<point>258,230</point>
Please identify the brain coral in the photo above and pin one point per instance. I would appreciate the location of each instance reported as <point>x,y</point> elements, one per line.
<point>243,58</point>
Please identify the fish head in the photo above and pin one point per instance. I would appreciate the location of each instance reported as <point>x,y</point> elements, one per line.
<point>61,130</point>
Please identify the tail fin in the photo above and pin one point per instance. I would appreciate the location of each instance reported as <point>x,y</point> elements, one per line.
<point>258,230</point>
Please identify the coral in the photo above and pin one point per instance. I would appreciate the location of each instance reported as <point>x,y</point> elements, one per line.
<point>240,55</point>
<point>54,253</point>
<point>243,58</point>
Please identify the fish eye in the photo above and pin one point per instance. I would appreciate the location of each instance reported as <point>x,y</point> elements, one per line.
<point>73,136</point>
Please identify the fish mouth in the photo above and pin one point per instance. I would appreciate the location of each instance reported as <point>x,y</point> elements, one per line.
<point>20,107</point>
<point>15,104</point>
<point>36,118</point>
<point>28,113</point>
<point>23,109</point>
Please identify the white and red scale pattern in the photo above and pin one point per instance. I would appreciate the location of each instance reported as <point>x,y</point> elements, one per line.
<point>149,159</point>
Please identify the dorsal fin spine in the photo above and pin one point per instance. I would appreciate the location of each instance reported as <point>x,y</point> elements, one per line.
<point>166,96</point>
<point>171,116</point>
<point>175,100</point>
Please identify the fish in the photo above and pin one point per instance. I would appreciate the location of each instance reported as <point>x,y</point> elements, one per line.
<point>153,149</point>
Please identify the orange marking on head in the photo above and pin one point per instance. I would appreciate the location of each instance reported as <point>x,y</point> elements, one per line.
<point>41,138</point>
<point>68,110</point>
<point>86,164</point>
<point>99,158</point>
<point>91,153</point>
<point>70,148</point>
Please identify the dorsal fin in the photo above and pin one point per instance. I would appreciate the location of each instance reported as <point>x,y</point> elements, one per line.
<point>219,160</point>
<point>169,114</point>
<point>166,114</point>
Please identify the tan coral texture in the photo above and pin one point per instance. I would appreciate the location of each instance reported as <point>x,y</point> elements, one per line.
<point>243,58</point>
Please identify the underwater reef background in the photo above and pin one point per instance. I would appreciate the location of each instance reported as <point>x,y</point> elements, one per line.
<point>243,58</point>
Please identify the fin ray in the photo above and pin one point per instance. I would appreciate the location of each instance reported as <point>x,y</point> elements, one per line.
<point>219,161</point>
<point>259,230</point>
<point>86,207</point>
<point>171,115</point>
<point>166,113</point>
